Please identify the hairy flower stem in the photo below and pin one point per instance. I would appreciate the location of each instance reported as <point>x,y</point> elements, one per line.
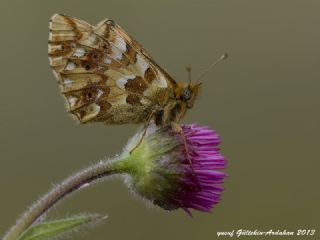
<point>59,192</point>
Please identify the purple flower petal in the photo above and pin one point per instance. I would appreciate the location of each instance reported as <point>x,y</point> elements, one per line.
<point>206,160</point>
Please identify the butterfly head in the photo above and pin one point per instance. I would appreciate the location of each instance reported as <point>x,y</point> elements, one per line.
<point>188,93</point>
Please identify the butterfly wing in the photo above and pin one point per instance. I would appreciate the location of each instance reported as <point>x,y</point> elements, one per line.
<point>104,74</point>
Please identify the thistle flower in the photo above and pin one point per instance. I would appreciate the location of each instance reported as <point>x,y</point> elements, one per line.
<point>171,169</point>
<point>175,170</point>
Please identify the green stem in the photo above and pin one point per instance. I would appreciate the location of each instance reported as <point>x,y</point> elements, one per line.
<point>59,192</point>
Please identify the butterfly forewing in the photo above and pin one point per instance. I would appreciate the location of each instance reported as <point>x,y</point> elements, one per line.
<point>104,74</point>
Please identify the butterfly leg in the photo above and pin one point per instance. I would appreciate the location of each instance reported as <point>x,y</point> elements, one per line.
<point>144,131</point>
<point>177,128</point>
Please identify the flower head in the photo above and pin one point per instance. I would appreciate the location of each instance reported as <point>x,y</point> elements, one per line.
<point>177,169</point>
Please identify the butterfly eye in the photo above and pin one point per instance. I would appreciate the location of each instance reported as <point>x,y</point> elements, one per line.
<point>186,94</point>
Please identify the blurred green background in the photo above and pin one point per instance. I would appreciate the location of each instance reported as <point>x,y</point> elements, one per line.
<point>264,101</point>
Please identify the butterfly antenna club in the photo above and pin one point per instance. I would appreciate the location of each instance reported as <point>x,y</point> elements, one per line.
<point>221,58</point>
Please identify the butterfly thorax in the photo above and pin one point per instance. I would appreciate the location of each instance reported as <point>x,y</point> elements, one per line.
<point>180,99</point>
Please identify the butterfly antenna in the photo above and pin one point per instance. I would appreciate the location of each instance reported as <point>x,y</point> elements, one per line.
<point>223,57</point>
<point>188,68</point>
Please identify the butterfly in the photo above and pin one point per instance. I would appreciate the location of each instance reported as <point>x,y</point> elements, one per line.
<point>107,76</point>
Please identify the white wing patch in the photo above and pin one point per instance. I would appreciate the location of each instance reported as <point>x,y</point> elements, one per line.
<point>116,53</point>
<point>123,80</point>
<point>70,66</point>
<point>100,93</point>
<point>91,111</point>
<point>67,81</point>
<point>52,48</point>
<point>79,52</point>
<point>142,64</point>
<point>120,44</point>
<point>92,39</point>
<point>72,101</point>
<point>160,81</point>
<point>107,60</point>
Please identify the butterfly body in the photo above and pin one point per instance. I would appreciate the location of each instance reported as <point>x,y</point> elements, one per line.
<point>106,76</point>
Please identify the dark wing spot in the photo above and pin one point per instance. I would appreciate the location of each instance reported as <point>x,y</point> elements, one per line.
<point>133,99</point>
<point>104,111</point>
<point>95,56</point>
<point>104,46</point>
<point>104,106</point>
<point>88,65</point>
<point>137,85</point>
<point>149,75</point>
<point>89,94</point>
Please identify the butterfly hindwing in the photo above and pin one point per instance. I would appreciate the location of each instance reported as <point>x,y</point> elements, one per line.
<point>104,74</point>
